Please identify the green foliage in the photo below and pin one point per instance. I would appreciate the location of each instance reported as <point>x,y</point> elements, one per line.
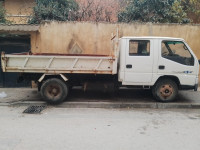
<point>2,13</point>
<point>192,8</point>
<point>61,10</point>
<point>155,11</point>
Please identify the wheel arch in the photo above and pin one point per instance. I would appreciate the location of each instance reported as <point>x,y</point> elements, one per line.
<point>45,77</point>
<point>171,77</point>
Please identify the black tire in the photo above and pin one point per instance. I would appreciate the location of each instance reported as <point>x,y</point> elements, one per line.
<point>54,91</point>
<point>165,90</point>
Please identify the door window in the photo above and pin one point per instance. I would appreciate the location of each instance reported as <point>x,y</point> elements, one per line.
<point>139,48</point>
<point>177,51</point>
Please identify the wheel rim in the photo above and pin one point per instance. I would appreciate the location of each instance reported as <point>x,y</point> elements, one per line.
<point>53,90</point>
<point>166,91</point>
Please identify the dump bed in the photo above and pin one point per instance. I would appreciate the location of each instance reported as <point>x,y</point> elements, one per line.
<point>56,64</point>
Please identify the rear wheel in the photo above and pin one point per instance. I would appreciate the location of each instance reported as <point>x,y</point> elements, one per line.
<point>54,91</point>
<point>165,90</point>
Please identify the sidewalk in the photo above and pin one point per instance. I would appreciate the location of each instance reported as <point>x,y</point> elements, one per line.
<point>125,98</point>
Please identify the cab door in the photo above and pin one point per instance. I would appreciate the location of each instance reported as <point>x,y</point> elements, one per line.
<point>176,59</point>
<point>139,62</point>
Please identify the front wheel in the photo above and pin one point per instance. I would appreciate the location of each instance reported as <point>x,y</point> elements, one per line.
<point>54,91</point>
<point>165,90</point>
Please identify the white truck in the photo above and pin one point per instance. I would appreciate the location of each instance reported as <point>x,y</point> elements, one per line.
<point>162,64</point>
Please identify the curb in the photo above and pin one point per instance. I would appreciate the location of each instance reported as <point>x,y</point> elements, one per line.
<point>4,104</point>
<point>117,105</point>
<point>110,105</point>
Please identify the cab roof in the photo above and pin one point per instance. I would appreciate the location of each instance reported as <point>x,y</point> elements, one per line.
<point>152,37</point>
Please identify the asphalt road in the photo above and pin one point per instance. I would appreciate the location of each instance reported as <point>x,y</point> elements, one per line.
<point>99,129</point>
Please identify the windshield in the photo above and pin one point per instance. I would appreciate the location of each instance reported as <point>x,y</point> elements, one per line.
<point>177,51</point>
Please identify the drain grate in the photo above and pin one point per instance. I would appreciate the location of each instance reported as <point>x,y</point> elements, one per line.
<point>34,109</point>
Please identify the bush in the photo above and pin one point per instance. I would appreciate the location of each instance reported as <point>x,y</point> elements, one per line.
<point>2,14</point>
<point>155,11</point>
<point>60,10</point>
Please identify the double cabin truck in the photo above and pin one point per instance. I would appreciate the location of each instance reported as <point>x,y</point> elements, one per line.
<point>164,65</point>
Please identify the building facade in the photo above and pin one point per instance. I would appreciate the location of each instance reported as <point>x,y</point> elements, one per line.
<point>18,11</point>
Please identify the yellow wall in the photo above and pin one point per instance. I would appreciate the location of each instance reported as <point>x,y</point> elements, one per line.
<point>21,9</point>
<point>90,38</point>
<point>95,38</point>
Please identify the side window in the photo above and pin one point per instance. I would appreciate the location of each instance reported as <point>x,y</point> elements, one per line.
<point>177,51</point>
<point>139,48</point>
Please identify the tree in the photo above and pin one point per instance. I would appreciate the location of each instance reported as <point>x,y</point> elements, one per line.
<point>61,10</point>
<point>2,14</point>
<point>97,10</point>
<point>155,11</point>
<point>192,8</point>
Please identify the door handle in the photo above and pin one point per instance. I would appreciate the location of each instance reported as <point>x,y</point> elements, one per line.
<point>161,67</point>
<point>129,66</point>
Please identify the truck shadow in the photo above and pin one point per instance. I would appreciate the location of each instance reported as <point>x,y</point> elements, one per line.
<point>127,95</point>
<point>120,95</point>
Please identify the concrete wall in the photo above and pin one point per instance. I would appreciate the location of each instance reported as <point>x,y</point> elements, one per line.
<point>74,38</point>
<point>95,38</point>
<point>18,11</point>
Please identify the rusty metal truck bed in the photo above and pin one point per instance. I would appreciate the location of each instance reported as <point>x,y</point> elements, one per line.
<point>53,64</point>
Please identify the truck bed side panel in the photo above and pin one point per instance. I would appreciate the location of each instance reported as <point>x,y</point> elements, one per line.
<point>59,64</point>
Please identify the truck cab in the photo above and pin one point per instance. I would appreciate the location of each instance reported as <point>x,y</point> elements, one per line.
<point>164,64</point>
